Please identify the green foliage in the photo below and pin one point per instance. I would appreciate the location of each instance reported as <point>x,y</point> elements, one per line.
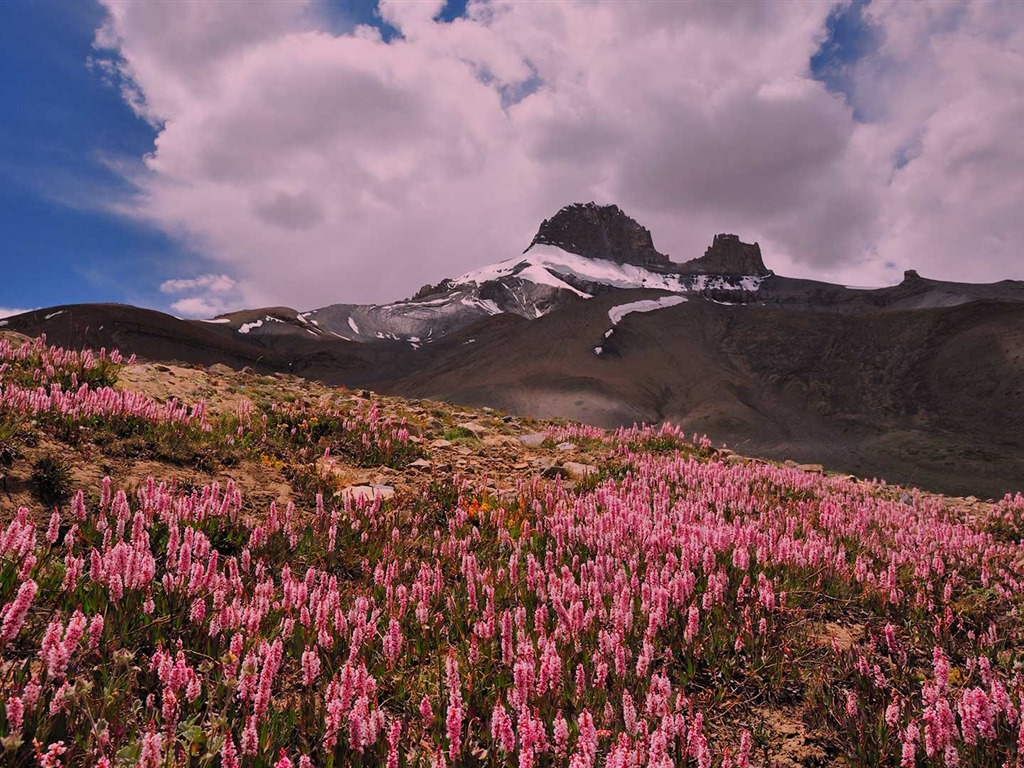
<point>460,435</point>
<point>51,479</point>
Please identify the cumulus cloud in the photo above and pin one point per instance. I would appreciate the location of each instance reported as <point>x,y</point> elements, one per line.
<point>211,283</point>
<point>198,307</point>
<point>315,166</point>
<point>210,295</point>
<point>11,312</point>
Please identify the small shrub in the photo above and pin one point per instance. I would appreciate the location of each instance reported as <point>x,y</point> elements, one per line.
<point>459,434</point>
<point>9,444</point>
<point>51,478</point>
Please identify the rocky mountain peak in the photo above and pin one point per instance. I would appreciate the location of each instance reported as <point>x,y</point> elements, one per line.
<point>600,232</point>
<point>728,255</point>
<point>911,276</point>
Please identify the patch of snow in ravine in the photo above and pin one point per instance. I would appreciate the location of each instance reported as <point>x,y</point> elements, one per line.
<point>246,327</point>
<point>54,314</point>
<point>615,314</point>
<point>354,327</point>
<point>3,323</point>
<point>217,320</point>
<point>487,305</point>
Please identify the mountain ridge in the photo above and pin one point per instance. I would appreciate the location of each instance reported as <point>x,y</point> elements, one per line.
<point>917,382</point>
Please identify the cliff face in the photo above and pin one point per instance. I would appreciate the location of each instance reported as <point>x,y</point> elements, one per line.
<point>600,232</point>
<point>727,255</point>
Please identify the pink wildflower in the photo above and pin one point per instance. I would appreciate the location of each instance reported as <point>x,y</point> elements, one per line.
<point>14,613</point>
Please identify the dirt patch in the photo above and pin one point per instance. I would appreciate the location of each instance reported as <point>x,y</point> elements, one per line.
<point>788,743</point>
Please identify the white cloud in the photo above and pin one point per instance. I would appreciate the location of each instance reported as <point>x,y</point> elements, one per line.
<point>211,283</point>
<point>317,167</point>
<point>11,312</point>
<point>198,307</point>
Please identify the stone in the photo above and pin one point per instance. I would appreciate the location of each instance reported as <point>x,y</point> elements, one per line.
<point>565,446</point>
<point>554,472</point>
<point>420,464</point>
<point>600,232</point>
<point>441,443</point>
<point>534,440</point>
<point>470,426</point>
<point>578,470</point>
<point>727,255</point>
<point>815,468</point>
<point>498,441</point>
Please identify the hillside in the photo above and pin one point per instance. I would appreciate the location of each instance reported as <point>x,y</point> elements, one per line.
<point>919,383</point>
<point>207,567</point>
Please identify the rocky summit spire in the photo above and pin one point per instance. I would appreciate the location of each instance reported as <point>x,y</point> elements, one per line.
<point>727,255</point>
<point>599,232</point>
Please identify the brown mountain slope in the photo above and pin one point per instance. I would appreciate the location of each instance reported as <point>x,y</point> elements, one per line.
<point>932,397</point>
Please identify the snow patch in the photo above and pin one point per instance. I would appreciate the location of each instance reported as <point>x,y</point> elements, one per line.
<point>246,327</point>
<point>54,314</point>
<point>487,305</point>
<point>217,320</point>
<point>598,350</point>
<point>548,265</point>
<point>355,328</point>
<point>615,314</point>
<point>3,323</point>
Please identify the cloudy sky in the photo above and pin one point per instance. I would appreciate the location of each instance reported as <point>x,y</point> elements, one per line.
<point>197,157</point>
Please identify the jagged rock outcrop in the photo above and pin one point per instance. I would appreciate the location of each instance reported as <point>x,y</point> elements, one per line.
<point>728,255</point>
<point>600,232</point>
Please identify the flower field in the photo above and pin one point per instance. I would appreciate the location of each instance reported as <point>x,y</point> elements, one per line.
<point>656,613</point>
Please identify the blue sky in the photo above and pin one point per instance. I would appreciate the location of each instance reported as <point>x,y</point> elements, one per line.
<point>63,129</point>
<point>69,141</point>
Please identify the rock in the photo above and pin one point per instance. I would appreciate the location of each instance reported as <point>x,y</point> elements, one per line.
<point>578,470</point>
<point>506,419</point>
<point>420,464</point>
<point>367,492</point>
<point>565,447</point>
<point>553,472</point>
<point>599,232</point>
<point>220,369</point>
<point>441,443</point>
<point>477,429</point>
<point>464,450</point>
<point>498,441</point>
<point>485,409</point>
<point>727,255</point>
<point>161,368</point>
<point>816,468</point>
<point>521,465</point>
<point>534,440</point>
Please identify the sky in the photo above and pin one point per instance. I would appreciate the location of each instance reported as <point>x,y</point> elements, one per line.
<point>198,157</point>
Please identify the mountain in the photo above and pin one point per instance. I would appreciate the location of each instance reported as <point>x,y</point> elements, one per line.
<point>921,382</point>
